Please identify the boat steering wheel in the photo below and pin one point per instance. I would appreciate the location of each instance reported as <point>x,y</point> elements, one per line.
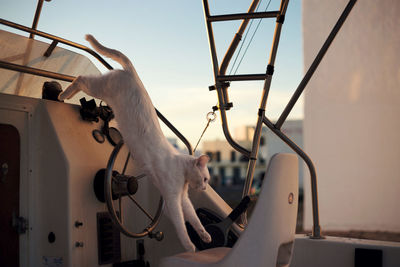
<point>117,186</point>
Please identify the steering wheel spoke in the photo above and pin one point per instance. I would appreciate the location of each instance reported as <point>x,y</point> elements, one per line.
<point>140,207</point>
<point>126,163</point>
<point>120,208</point>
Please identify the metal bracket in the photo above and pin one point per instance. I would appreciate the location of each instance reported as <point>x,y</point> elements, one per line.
<point>228,106</point>
<point>51,48</point>
<point>220,85</point>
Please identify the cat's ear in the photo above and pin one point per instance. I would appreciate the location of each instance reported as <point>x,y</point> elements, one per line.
<point>201,161</point>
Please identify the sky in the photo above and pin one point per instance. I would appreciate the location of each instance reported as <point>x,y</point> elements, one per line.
<point>168,45</point>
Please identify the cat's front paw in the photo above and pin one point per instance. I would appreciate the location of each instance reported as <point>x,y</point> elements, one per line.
<point>189,247</point>
<point>205,236</point>
<point>67,94</point>
<point>61,97</point>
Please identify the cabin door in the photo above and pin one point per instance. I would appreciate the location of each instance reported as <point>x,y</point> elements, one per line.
<point>9,195</point>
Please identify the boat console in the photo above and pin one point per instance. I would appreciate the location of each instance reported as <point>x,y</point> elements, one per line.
<point>54,170</point>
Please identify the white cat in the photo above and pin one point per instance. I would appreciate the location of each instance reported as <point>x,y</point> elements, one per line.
<point>169,171</point>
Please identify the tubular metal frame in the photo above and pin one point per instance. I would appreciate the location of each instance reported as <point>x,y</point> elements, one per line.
<point>36,18</point>
<point>56,38</point>
<point>316,233</point>
<point>68,78</point>
<point>221,86</point>
<point>223,99</point>
<point>246,16</point>
<point>261,113</point>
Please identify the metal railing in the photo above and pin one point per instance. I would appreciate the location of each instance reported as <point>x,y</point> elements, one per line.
<point>68,78</point>
<point>221,79</point>
<point>221,86</point>
<point>56,39</point>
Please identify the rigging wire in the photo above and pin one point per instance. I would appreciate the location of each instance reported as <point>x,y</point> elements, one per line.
<point>211,116</point>
<point>251,39</point>
<point>244,40</point>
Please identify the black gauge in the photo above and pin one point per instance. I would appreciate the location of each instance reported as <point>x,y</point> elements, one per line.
<point>98,136</point>
<point>114,136</point>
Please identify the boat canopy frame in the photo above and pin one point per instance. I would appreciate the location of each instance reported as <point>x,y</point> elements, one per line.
<point>222,84</point>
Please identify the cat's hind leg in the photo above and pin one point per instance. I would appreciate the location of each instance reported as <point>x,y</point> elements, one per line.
<point>174,210</point>
<point>191,216</point>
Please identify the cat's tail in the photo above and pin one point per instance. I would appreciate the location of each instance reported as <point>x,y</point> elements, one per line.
<point>111,53</point>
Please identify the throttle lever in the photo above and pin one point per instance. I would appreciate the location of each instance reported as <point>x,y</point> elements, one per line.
<point>219,231</point>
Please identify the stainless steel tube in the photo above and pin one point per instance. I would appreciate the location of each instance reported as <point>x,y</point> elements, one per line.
<point>263,103</point>
<point>316,234</point>
<point>248,15</point>
<point>36,18</point>
<point>55,38</point>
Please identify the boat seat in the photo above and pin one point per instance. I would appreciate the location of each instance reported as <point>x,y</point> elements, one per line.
<point>268,238</point>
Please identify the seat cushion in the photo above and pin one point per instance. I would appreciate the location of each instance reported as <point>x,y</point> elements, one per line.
<point>208,256</point>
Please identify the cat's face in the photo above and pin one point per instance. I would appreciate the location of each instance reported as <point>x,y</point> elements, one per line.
<point>199,176</point>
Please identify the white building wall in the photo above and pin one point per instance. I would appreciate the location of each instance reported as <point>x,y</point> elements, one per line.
<point>352,108</point>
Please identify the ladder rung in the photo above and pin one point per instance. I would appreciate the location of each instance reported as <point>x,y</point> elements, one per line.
<point>241,77</point>
<point>251,15</point>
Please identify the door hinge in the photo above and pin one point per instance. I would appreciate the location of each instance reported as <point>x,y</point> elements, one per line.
<point>20,224</point>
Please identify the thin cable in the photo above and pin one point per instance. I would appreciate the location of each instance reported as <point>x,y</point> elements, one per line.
<point>251,39</point>
<point>244,40</point>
